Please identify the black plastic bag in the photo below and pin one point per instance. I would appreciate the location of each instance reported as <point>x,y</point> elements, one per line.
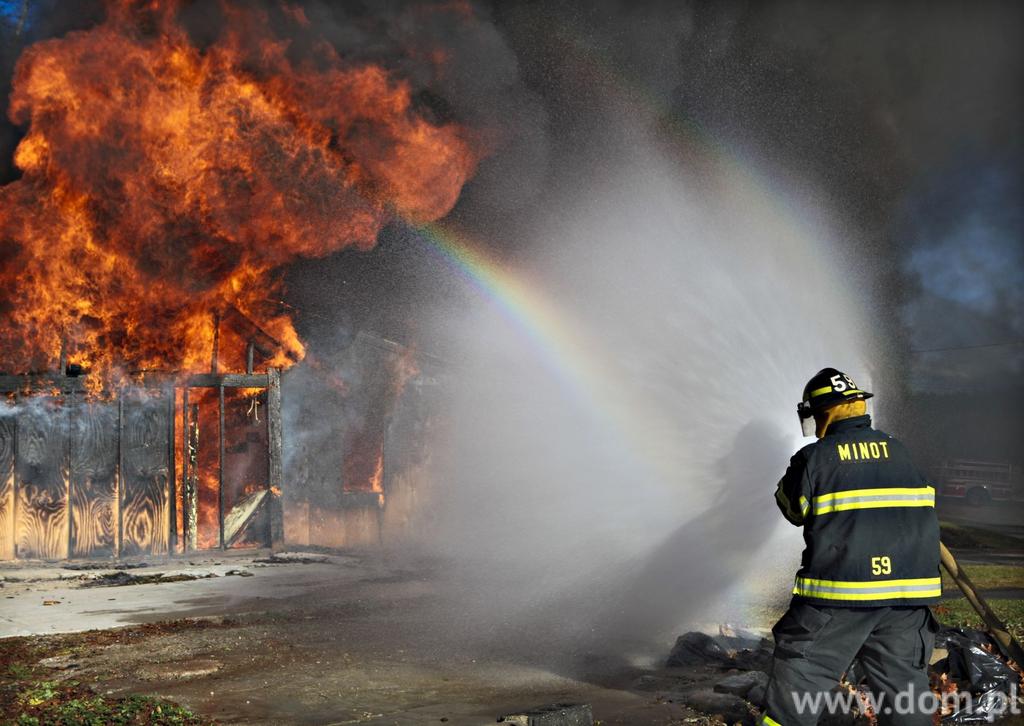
<point>989,680</point>
<point>974,668</point>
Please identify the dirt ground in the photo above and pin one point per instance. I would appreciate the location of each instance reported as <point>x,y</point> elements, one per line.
<point>341,641</point>
<point>307,639</point>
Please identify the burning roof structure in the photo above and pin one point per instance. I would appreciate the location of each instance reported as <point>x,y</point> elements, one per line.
<point>166,181</point>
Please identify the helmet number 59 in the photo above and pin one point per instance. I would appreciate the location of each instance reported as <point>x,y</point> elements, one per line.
<point>881,566</point>
<point>840,382</point>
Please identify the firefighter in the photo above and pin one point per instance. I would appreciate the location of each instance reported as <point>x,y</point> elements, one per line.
<point>869,569</point>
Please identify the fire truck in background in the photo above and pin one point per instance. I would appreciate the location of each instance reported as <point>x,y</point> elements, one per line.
<point>977,482</point>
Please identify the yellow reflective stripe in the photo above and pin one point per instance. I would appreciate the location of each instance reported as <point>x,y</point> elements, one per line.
<point>804,505</point>
<point>877,504</point>
<point>823,498</point>
<point>867,596</point>
<point>828,389</point>
<point>874,499</point>
<point>854,584</point>
<point>767,720</point>
<point>868,590</point>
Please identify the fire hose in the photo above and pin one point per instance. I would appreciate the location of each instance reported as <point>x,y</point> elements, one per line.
<point>996,627</point>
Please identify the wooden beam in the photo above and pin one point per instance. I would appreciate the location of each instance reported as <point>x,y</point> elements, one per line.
<point>996,628</point>
<point>190,419</point>
<point>46,382</point>
<point>227,380</point>
<point>172,480</point>
<point>215,355</point>
<point>220,465</point>
<point>40,382</point>
<point>120,472</point>
<point>275,434</point>
<point>241,514</point>
<point>264,343</point>
<point>185,434</point>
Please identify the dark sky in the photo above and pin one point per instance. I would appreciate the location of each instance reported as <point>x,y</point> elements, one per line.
<point>905,115</point>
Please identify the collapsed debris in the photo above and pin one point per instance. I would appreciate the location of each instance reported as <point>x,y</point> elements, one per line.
<point>557,714</point>
<point>749,685</point>
<point>745,655</point>
<point>740,649</point>
<point>291,558</point>
<point>122,578</point>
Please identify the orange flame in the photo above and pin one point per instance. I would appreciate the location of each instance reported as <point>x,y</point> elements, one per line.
<point>377,478</point>
<point>164,183</point>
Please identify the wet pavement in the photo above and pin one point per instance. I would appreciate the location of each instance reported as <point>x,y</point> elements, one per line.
<point>344,640</point>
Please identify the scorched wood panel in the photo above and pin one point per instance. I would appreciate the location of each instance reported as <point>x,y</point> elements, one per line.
<point>41,486</point>
<point>94,480</point>
<point>145,468</point>
<point>7,434</point>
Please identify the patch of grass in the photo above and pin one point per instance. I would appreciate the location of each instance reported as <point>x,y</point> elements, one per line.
<point>961,536</point>
<point>39,693</point>
<point>960,613</point>
<point>19,671</point>
<point>27,700</point>
<point>97,711</point>
<point>69,703</point>
<point>989,577</point>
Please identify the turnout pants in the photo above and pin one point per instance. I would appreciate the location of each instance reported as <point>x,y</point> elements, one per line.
<point>815,645</point>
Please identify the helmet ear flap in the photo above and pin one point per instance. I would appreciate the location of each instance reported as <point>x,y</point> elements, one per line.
<point>806,415</point>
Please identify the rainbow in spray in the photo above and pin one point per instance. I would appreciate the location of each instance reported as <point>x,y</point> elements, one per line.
<point>574,360</point>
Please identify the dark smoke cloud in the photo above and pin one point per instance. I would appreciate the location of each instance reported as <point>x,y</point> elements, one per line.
<point>902,118</point>
<point>866,101</point>
<point>966,230</point>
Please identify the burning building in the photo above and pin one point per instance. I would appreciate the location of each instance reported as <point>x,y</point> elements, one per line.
<point>166,180</point>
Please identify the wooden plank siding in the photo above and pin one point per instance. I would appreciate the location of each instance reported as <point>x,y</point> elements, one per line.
<point>8,432</point>
<point>145,509</point>
<point>40,480</point>
<point>93,479</point>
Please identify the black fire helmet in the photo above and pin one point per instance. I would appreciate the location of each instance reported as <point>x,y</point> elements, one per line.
<point>827,388</point>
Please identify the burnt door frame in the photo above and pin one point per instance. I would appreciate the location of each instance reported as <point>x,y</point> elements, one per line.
<point>271,383</point>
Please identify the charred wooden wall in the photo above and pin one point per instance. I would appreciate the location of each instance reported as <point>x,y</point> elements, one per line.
<point>84,478</point>
<point>93,480</point>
